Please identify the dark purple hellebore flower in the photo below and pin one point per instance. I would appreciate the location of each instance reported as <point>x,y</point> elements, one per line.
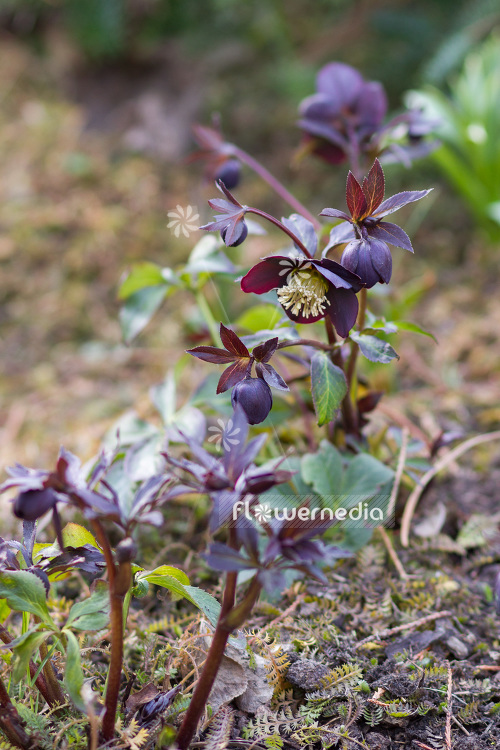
<point>367,253</point>
<point>345,120</point>
<point>346,111</point>
<point>308,289</point>
<point>255,398</point>
<point>252,394</point>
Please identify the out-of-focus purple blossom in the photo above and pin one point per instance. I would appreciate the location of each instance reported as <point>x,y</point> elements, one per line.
<point>344,120</point>
<point>220,163</point>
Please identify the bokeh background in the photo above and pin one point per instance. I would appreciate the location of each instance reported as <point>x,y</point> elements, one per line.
<point>97,101</point>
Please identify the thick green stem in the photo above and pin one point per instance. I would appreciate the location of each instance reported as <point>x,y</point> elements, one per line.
<point>275,184</point>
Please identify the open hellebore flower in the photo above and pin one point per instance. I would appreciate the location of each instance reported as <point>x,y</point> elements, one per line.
<point>308,289</point>
<point>346,116</point>
<point>367,253</point>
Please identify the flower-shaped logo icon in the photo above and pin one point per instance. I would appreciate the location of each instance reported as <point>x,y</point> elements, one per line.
<point>291,263</point>
<point>224,436</point>
<point>183,220</point>
<point>262,512</point>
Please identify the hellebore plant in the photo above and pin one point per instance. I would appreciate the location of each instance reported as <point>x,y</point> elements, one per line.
<point>342,122</point>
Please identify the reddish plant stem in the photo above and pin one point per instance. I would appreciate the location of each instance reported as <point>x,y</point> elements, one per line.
<point>212,662</point>
<point>305,342</point>
<point>277,223</point>
<point>119,579</point>
<point>53,685</point>
<point>351,365</point>
<point>11,723</point>
<point>40,683</point>
<point>274,184</point>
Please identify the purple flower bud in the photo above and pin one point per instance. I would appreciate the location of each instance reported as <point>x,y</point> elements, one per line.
<point>255,398</point>
<point>32,504</point>
<point>241,235</point>
<point>229,173</point>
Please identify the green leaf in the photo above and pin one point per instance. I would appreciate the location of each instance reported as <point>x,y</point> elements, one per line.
<point>260,317</point>
<point>364,477</point>
<point>166,570</point>
<point>323,470</point>
<point>139,308</point>
<point>25,592</point>
<point>176,581</point>
<point>142,275</point>
<point>404,325</point>
<point>373,348</point>
<point>204,601</point>
<point>73,673</point>
<point>25,649</point>
<point>329,387</point>
<point>75,535</point>
<point>92,613</point>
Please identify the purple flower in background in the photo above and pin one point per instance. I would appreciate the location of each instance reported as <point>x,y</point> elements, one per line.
<point>344,120</point>
<point>367,253</point>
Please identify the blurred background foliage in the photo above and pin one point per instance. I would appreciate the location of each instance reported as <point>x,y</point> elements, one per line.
<point>98,98</point>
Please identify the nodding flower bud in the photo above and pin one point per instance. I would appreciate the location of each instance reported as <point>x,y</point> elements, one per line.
<point>229,173</point>
<point>240,235</point>
<point>255,398</point>
<point>32,504</point>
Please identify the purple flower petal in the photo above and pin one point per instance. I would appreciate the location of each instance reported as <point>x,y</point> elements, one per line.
<point>337,274</point>
<point>371,105</point>
<point>265,275</point>
<point>391,233</point>
<point>343,310</point>
<point>381,259</point>
<point>339,81</point>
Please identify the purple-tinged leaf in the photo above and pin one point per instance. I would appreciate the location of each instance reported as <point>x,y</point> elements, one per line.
<point>303,230</point>
<point>232,343</point>
<point>355,198</point>
<point>395,202</point>
<point>212,354</point>
<point>391,233</point>
<point>336,214</point>
<point>222,557</point>
<point>234,374</point>
<point>374,187</point>
<point>272,378</point>
<point>263,352</point>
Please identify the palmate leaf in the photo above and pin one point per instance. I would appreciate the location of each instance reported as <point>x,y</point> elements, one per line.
<point>328,385</point>
<point>73,673</point>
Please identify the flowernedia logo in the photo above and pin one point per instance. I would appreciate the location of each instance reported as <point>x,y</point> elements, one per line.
<point>365,513</point>
<point>183,220</point>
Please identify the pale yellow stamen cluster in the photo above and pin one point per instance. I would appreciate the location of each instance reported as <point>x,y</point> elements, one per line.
<point>305,293</point>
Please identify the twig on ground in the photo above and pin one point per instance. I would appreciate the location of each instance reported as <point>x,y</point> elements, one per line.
<point>406,626</point>
<point>449,714</point>
<point>412,501</point>
<point>391,505</point>
<point>392,553</point>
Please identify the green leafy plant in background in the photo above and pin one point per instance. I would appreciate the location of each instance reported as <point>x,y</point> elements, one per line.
<point>467,119</point>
